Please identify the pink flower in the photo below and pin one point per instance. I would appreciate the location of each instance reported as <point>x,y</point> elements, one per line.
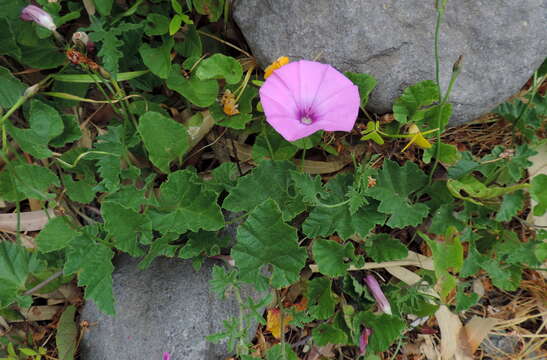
<point>303,97</point>
<point>39,16</point>
<point>379,296</point>
<point>363,340</point>
<point>166,356</point>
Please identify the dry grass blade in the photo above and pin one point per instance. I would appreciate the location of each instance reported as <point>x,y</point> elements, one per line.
<point>29,221</point>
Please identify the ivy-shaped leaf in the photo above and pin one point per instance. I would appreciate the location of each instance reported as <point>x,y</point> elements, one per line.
<point>332,258</point>
<point>264,238</point>
<point>220,66</point>
<point>165,139</point>
<point>383,247</point>
<point>274,181</point>
<point>56,235</point>
<point>158,59</point>
<point>128,227</point>
<point>539,194</point>
<point>393,188</point>
<point>324,221</point>
<point>186,204</point>
<point>385,329</point>
<point>16,265</point>
<point>93,264</point>
<point>325,334</point>
<point>510,206</point>
<point>365,82</point>
<point>410,106</point>
<point>202,93</point>
<point>321,302</point>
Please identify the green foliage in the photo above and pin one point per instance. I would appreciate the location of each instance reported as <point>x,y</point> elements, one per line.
<point>539,194</point>
<point>321,302</point>
<point>332,258</point>
<point>66,338</point>
<point>328,334</point>
<point>264,238</point>
<point>220,66</point>
<point>158,59</point>
<point>57,234</point>
<point>411,106</point>
<point>201,93</point>
<point>382,247</point>
<point>165,139</point>
<point>394,186</point>
<point>385,329</point>
<point>366,83</point>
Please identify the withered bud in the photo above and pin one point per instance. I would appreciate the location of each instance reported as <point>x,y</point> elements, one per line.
<point>31,90</point>
<point>458,65</point>
<point>80,38</point>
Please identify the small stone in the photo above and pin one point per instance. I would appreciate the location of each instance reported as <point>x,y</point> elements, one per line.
<point>167,307</point>
<point>393,41</point>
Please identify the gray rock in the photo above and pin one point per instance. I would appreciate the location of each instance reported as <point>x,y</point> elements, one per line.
<point>167,307</point>
<point>393,40</point>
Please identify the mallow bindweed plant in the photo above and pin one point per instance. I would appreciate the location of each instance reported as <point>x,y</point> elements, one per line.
<point>137,125</point>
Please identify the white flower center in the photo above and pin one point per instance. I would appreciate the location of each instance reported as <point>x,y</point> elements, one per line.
<point>306,120</point>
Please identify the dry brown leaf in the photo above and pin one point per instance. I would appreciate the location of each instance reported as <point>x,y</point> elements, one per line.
<point>317,351</point>
<point>40,313</point>
<point>30,220</point>
<point>198,132</point>
<point>428,348</point>
<point>476,330</point>
<point>450,326</point>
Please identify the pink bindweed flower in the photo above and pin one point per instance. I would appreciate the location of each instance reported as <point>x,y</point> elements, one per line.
<point>166,356</point>
<point>303,97</point>
<point>39,16</point>
<point>379,296</point>
<point>363,340</point>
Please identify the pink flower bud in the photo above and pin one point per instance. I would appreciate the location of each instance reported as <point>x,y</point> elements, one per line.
<point>379,296</point>
<point>39,16</point>
<point>363,340</point>
<point>166,356</point>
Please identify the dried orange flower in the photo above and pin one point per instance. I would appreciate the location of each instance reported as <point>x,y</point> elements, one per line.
<point>371,182</point>
<point>283,60</point>
<point>228,102</point>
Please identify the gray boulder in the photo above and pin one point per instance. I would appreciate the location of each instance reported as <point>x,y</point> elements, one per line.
<point>168,307</point>
<point>501,41</point>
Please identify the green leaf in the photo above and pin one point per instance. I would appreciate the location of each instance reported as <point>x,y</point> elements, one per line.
<point>443,218</point>
<point>325,334</point>
<point>470,189</point>
<point>383,247</point>
<point>44,55</point>
<point>324,221</point>
<point>276,352</point>
<point>165,139</point>
<point>409,107</point>
<point>274,174</point>
<point>505,277</point>
<point>186,204</point>
<point>126,227</point>
<point>464,301</point>
<point>191,46</point>
<point>56,235</point>
<point>539,194</point>
<point>222,280</point>
<point>11,90</point>
<point>71,131</point>
<point>321,301</point>
<point>160,247</point>
<point>511,205</point>
<point>33,181</point>
<point>212,8</point>
<point>158,59</point>
<point>8,43</point>
<point>201,245</point>
<point>365,82</point>
<point>44,120</point>
<point>93,263</point>
<point>237,122</point>
<point>220,66</point>
<point>270,145</point>
<point>66,338</point>
<point>264,238</point>
<point>394,185</point>
<point>16,265</point>
<point>447,259</point>
<point>307,186</point>
<point>81,190</point>
<point>202,93</point>
<point>385,330</point>
<point>104,6</point>
<point>156,24</point>
<point>111,43</point>
<point>431,117</point>
<point>449,154</point>
<point>29,141</point>
<point>174,24</point>
<point>332,258</point>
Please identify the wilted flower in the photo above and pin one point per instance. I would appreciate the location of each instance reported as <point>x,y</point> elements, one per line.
<point>379,296</point>
<point>418,138</point>
<point>306,96</point>
<point>363,340</point>
<point>166,356</point>
<point>39,16</point>
<point>283,60</point>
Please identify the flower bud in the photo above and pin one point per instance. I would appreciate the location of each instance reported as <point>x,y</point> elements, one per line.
<point>363,340</point>
<point>80,38</point>
<point>39,16</point>
<point>31,90</point>
<point>379,296</point>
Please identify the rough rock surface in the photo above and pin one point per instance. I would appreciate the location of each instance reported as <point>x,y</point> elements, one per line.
<point>167,307</point>
<point>393,40</point>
